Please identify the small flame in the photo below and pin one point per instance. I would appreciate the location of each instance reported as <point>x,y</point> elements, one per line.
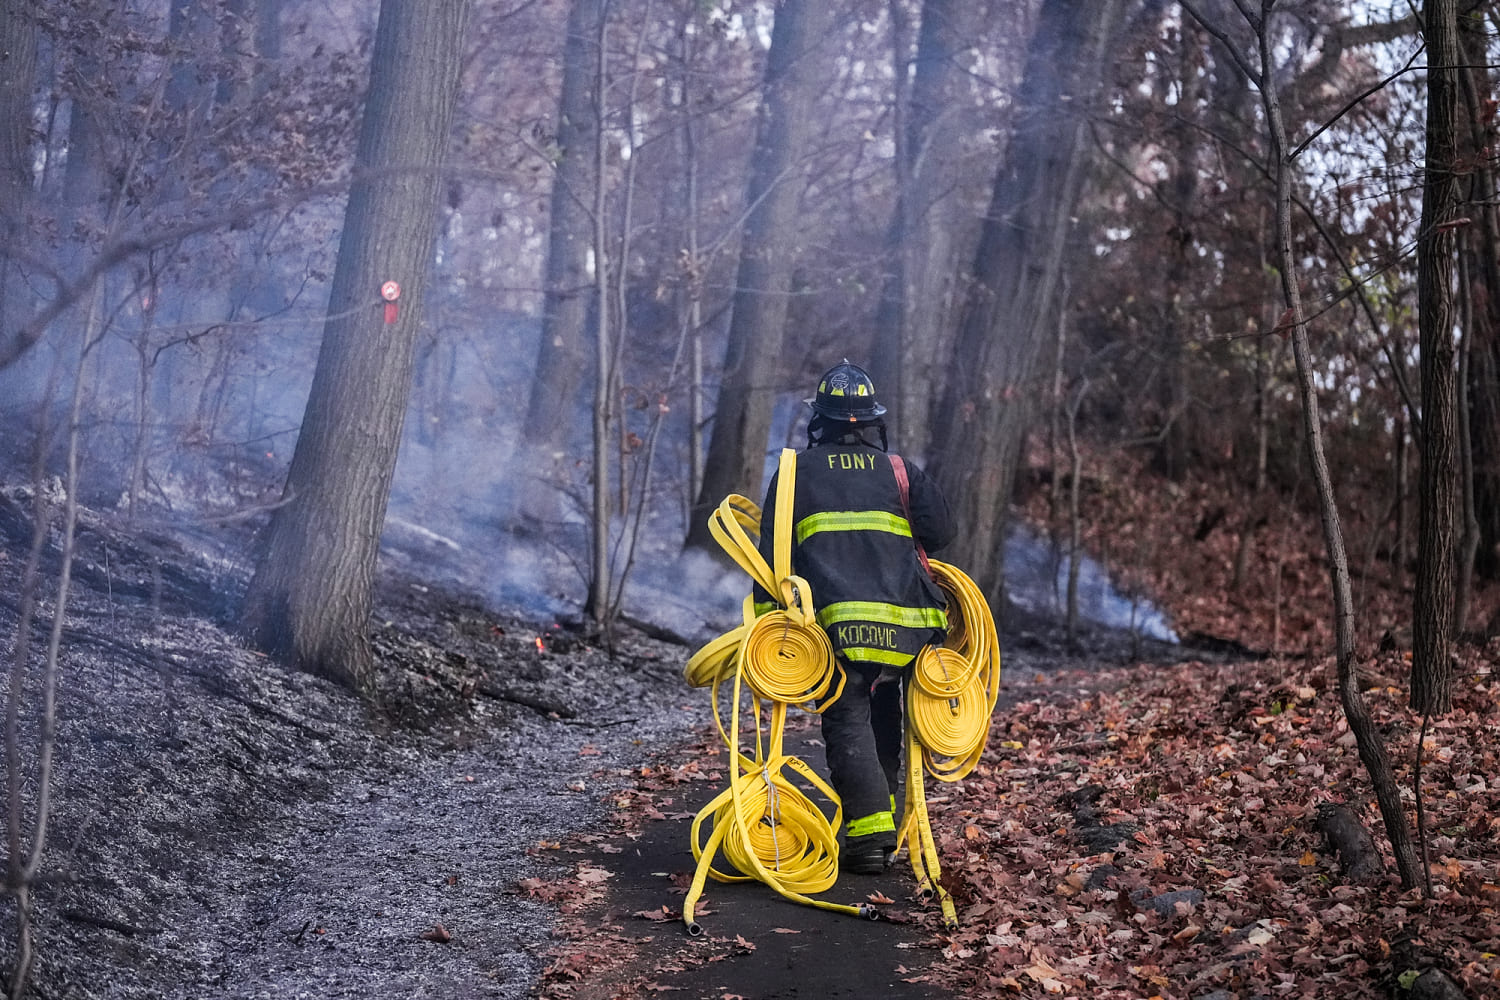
<point>540,648</point>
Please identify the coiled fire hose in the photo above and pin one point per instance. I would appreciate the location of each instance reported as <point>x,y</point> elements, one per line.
<point>949,700</point>
<point>767,827</point>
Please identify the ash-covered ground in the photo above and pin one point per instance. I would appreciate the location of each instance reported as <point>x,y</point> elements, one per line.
<point>223,826</point>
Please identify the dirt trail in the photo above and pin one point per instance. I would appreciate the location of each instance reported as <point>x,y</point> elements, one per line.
<point>627,939</point>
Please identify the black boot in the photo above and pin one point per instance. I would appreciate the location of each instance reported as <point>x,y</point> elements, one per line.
<point>867,855</point>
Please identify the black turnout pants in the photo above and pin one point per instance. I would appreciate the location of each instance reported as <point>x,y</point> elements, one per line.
<point>862,732</point>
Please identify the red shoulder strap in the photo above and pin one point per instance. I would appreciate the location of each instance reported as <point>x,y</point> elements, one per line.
<point>904,485</point>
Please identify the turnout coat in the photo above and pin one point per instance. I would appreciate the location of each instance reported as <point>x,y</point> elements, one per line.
<point>854,544</point>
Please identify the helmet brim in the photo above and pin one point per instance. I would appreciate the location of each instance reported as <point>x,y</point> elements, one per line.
<point>873,412</point>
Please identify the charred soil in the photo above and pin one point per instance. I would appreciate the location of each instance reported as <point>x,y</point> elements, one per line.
<point>223,826</point>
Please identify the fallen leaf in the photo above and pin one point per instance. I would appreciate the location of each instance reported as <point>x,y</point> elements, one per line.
<point>659,915</point>
<point>742,944</point>
<point>879,897</point>
<point>592,876</point>
<point>784,930</point>
<point>437,933</point>
<point>1040,971</point>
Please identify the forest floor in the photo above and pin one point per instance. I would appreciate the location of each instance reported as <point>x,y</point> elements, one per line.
<point>512,818</point>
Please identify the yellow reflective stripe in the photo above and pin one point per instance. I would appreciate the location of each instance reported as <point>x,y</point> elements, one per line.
<point>881,822</point>
<point>866,654</point>
<point>886,614</point>
<point>852,520</point>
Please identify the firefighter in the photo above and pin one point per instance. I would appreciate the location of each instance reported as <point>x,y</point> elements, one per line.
<point>859,539</point>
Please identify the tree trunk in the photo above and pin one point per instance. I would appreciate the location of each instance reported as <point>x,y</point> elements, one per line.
<point>1483,384</point>
<point>985,402</point>
<point>742,418</point>
<point>564,349</point>
<point>18,39</point>
<point>1399,544</point>
<point>691,304</point>
<point>1468,540</point>
<point>311,596</point>
<point>192,37</point>
<point>1437,489</point>
<point>1075,521</point>
<point>1172,449</point>
<point>597,604</point>
<point>252,33</point>
<point>919,235</point>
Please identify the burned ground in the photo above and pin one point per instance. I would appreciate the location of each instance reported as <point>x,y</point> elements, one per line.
<point>226,827</point>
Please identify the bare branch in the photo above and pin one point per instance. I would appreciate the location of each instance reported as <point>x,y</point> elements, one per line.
<point>1223,37</point>
<point>1375,88</point>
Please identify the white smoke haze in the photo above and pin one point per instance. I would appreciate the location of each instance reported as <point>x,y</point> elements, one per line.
<point>1036,579</point>
<point>470,505</point>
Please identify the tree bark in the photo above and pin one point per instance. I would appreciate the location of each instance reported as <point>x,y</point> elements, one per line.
<point>564,351</point>
<point>18,39</point>
<point>742,418</point>
<point>1483,383</point>
<point>310,599</point>
<point>1437,489</point>
<point>910,316</point>
<point>1348,839</point>
<point>1172,456</point>
<point>985,404</point>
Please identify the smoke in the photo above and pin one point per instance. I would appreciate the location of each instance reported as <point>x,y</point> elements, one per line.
<point>1036,579</point>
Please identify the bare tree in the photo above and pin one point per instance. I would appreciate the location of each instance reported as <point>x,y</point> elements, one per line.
<point>310,599</point>
<point>1479,410</point>
<point>1437,489</point>
<point>563,351</point>
<point>18,41</point>
<point>26,828</point>
<point>910,315</point>
<point>742,417</point>
<point>1372,749</point>
<point>598,602</point>
<point>1011,287</point>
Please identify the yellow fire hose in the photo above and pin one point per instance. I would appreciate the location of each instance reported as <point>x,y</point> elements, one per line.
<point>949,701</point>
<point>766,826</point>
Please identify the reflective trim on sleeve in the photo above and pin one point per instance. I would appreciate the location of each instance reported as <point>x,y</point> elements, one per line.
<point>881,822</point>
<point>886,614</point>
<point>852,520</point>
